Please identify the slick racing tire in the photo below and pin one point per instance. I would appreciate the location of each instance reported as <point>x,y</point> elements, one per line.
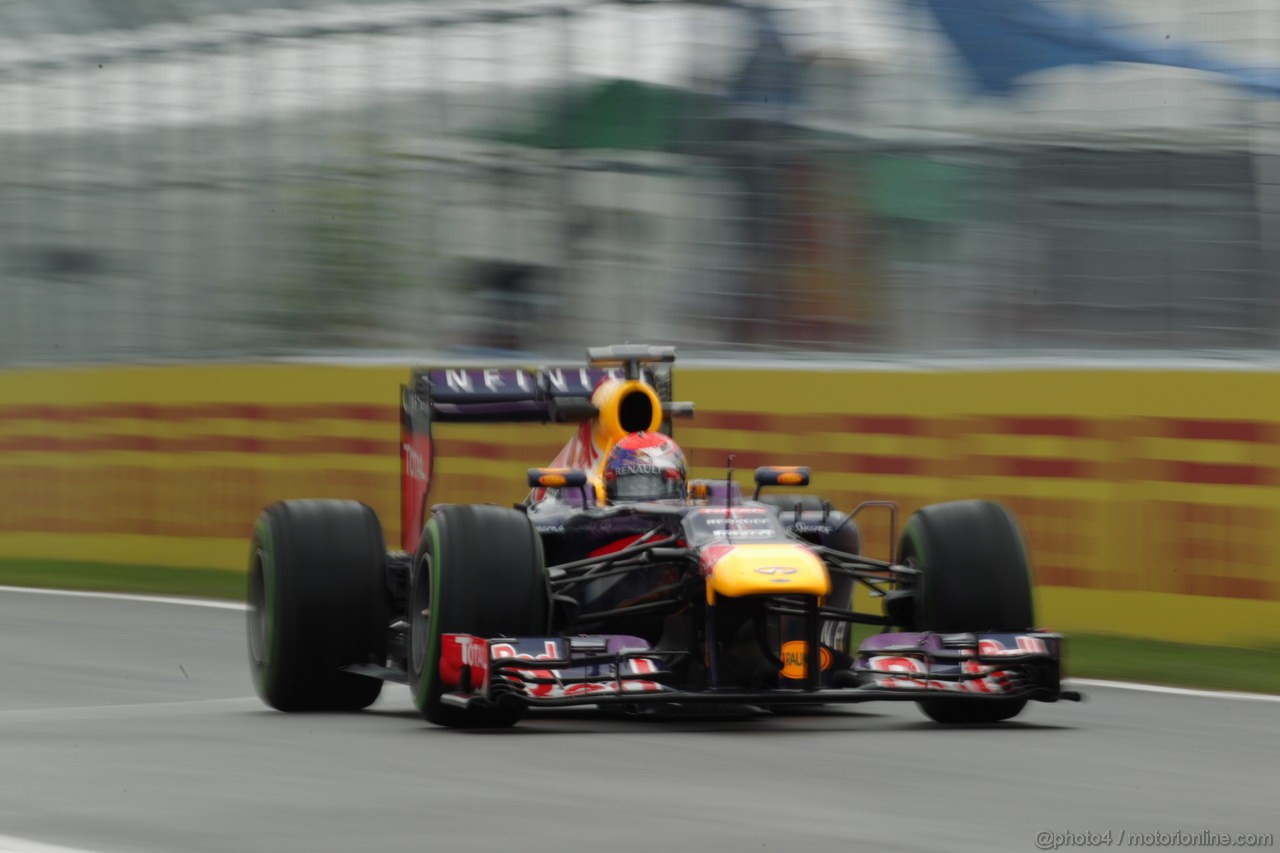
<point>317,602</point>
<point>478,570</point>
<point>975,577</point>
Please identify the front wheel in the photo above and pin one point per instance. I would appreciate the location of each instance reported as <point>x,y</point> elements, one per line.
<point>317,602</point>
<point>478,570</point>
<point>975,578</point>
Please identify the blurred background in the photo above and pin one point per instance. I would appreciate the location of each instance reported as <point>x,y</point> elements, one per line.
<point>1026,251</point>
<point>246,178</point>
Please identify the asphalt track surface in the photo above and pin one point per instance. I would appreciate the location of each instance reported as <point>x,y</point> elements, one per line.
<point>131,726</point>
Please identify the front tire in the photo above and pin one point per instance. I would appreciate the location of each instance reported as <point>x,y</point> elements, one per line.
<point>317,602</point>
<point>975,578</point>
<point>478,570</point>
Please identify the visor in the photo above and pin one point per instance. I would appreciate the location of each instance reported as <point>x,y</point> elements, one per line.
<point>645,487</point>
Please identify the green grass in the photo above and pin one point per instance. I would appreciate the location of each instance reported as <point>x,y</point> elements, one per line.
<point>107,577</point>
<point>1125,659</point>
<point>1088,655</point>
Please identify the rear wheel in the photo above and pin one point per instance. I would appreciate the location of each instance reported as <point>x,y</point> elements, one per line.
<point>478,570</point>
<point>317,603</point>
<point>975,577</point>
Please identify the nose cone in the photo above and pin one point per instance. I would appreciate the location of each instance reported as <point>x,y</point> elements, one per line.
<point>763,569</point>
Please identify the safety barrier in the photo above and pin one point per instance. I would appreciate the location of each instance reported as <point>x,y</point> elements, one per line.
<point>1148,497</point>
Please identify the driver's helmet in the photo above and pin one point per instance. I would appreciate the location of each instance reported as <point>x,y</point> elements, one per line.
<point>644,466</point>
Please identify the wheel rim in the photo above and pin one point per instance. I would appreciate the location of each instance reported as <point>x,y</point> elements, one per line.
<point>420,617</point>
<point>259,613</point>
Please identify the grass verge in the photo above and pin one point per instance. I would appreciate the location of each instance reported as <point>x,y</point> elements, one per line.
<point>1209,667</point>
<point>1088,655</point>
<point>108,577</point>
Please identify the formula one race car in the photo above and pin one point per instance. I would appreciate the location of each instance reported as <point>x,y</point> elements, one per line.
<point>619,582</point>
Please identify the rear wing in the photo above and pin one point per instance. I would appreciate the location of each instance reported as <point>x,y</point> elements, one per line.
<point>564,394</point>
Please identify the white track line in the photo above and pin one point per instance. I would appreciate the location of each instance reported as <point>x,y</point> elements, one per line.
<point>236,605</point>
<point>9,844</point>
<point>120,596</point>
<point>128,712</point>
<point>1176,691</point>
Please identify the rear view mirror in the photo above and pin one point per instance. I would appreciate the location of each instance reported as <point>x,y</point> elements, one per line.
<point>780,475</point>
<point>557,478</point>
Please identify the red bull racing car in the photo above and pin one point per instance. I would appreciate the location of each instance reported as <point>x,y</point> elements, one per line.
<point>620,582</point>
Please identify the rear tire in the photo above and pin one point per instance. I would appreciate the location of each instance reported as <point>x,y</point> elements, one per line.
<point>478,570</point>
<point>975,579</point>
<point>317,603</point>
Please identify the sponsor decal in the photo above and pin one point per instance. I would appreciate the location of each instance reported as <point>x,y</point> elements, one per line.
<point>414,468</point>
<point>598,688</point>
<point>474,652</point>
<point>905,673</point>
<point>996,682</point>
<point>896,663</point>
<point>790,479</point>
<point>564,685</point>
<point>550,651</point>
<point>415,476</point>
<point>489,380</point>
<point>1025,646</point>
<point>793,659</point>
<point>736,523</point>
<point>458,380</point>
<point>508,384</point>
<point>776,570</point>
<point>580,380</point>
<point>636,469</point>
<point>802,527</point>
<point>464,662</point>
<point>972,667</point>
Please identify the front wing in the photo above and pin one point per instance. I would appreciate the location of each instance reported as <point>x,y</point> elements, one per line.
<point>612,669</point>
